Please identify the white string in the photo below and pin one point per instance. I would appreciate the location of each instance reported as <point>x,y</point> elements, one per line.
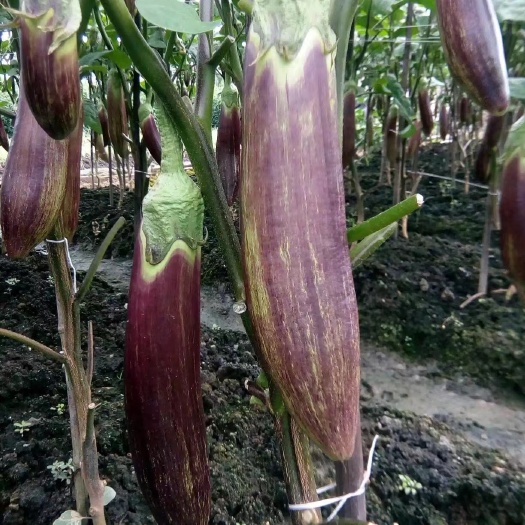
<point>340,500</point>
<point>69,261</point>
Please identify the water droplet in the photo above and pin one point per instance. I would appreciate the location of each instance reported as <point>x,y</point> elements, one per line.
<point>239,307</point>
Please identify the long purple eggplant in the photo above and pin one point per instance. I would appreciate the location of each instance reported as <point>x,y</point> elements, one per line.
<point>49,59</point>
<point>512,215</point>
<point>33,185</point>
<point>473,47</point>
<point>163,395</point>
<point>228,147</point>
<point>298,277</point>
<point>150,132</point>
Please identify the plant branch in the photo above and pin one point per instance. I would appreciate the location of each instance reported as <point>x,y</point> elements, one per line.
<point>34,345</point>
<point>235,61</point>
<point>221,52</point>
<point>385,218</point>
<point>368,246</point>
<point>95,263</point>
<point>199,148</point>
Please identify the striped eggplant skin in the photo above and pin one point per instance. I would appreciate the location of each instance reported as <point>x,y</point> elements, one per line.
<point>228,146</point>
<point>104,124</point>
<point>150,132</point>
<point>166,432</point>
<point>348,128</point>
<point>512,217</point>
<point>117,116</point>
<point>443,122</point>
<point>101,150</point>
<point>33,185</point>
<point>49,60</point>
<point>425,112</point>
<point>473,48</point>
<point>4,139</point>
<point>299,286</point>
<point>163,397</point>
<point>72,195</point>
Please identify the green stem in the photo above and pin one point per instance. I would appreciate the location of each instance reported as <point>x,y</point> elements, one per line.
<point>385,218</point>
<point>86,6</point>
<point>88,279</point>
<point>169,48</point>
<point>235,61</point>
<point>197,144</point>
<point>342,13</point>
<point>34,345</point>
<point>368,246</point>
<point>221,52</point>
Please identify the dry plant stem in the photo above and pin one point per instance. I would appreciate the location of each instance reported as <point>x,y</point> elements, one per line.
<point>298,468</point>
<point>91,353</point>
<point>34,345</point>
<point>79,395</point>
<point>349,475</point>
<point>492,204</point>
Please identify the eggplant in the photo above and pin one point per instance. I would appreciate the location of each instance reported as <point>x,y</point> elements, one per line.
<point>228,146</point>
<point>512,217</point>
<point>299,288</point>
<point>425,111</point>
<point>117,116</point>
<point>163,396</point>
<point>473,48</point>
<point>443,122</point>
<point>33,185</point>
<point>49,60</point>
<point>150,132</point>
<point>348,127</point>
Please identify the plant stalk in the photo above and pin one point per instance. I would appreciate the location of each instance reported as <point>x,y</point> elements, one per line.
<point>193,135</point>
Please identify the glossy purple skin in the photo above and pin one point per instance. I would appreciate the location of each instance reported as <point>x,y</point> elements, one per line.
<point>151,136</point>
<point>228,151</point>
<point>163,395</point>
<point>469,31</point>
<point>299,286</point>
<point>512,216</point>
<point>51,81</point>
<point>33,185</point>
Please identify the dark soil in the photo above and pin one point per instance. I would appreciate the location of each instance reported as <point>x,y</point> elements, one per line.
<point>410,291</point>
<point>461,484</point>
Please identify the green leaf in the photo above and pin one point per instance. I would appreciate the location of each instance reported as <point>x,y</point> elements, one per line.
<point>388,85</point>
<point>118,57</point>
<point>517,87</point>
<point>91,119</point>
<point>513,10</point>
<point>174,15</point>
<point>70,517</point>
<point>108,496</point>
